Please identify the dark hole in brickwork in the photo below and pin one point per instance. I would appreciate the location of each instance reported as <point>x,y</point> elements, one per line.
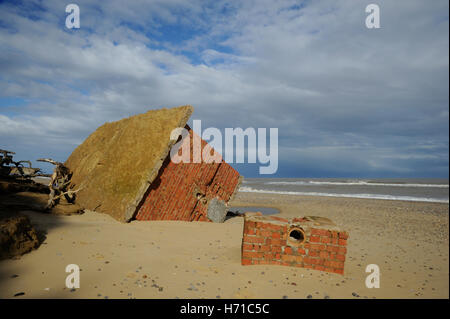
<point>297,236</point>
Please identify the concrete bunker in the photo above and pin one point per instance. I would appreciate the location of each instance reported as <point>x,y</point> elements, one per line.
<point>124,169</point>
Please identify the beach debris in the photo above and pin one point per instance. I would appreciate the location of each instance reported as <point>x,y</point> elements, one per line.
<point>6,160</point>
<point>21,170</point>
<point>59,183</point>
<point>217,210</point>
<point>309,242</point>
<point>124,169</point>
<point>21,192</point>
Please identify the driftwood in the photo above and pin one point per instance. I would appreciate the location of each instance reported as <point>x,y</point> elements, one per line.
<point>6,159</point>
<point>59,182</point>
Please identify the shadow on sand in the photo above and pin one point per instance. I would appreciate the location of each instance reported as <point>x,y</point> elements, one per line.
<point>24,225</point>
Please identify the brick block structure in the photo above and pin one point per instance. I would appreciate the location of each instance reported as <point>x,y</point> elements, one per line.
<point>309,242</point>
<point>184,191</point>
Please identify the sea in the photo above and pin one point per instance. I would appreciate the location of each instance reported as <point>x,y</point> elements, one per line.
<point>405,189</point>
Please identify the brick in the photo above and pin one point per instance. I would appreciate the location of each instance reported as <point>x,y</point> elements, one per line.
<point>320,261</point>
<point>268,256</point>
<point>276,235</point>
<point>332,248</point>
<point>246,261</point>
<point>337,264</point>
<point>288,250</point>
<point>250,231</point>
<point>324,255</point>
<point>325,240</point>
<point>314,261</point>
<point>288,258</point>
<point>320,232</point>
<point>314,239</point>
<point>250,224</point>
<point>264,233</point>
<point>342,242</point>
<point>340,257</point>
<point>343,235</point>
<point>277,242</point>
<point>277,227</point>
<point>260,225</point>
<point>252,254</point>
<point>257,240</point>
<point>247,246</point>
<point>276,249</point>
<point>318,267</point>
<point>338,271</point>
<point>318,247</point>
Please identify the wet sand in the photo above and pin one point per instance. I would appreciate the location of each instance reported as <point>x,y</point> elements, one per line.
<point>168,259</point>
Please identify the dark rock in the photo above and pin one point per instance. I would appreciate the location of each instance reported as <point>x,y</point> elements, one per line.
<point>17,235</point>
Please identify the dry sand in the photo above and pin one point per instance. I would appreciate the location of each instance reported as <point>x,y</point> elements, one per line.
<point>407,240</point>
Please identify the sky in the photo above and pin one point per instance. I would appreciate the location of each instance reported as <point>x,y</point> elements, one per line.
<point>348,101</point>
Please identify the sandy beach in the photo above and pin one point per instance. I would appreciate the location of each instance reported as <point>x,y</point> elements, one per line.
<point>172,259</point>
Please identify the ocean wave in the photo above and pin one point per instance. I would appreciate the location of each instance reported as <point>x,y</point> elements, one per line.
<point>358,183</point>
<point>246,189</point>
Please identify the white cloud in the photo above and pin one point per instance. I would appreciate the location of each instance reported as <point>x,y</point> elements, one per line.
<point>312,69</point>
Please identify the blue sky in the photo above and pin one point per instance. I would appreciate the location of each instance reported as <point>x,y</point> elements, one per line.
<point>348,101</point>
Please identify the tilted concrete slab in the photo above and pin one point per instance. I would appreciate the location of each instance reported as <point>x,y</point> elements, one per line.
<point>116,164</point>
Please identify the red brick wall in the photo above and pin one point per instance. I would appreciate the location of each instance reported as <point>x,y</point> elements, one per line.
<point>265,241</point>
<point>182,191</point>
